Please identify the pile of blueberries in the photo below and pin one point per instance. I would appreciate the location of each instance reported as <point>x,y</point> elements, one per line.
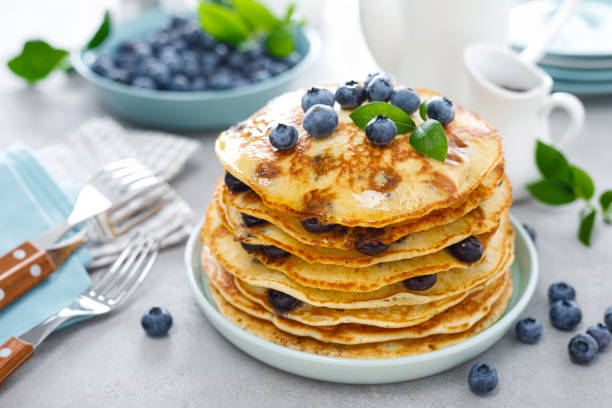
<point>320,118</point>
<point>183,57</point>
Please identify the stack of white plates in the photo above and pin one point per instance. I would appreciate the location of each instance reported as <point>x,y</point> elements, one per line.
<point>580,57</point>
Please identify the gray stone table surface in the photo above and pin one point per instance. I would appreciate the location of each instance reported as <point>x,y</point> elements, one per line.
<point>110,362</point>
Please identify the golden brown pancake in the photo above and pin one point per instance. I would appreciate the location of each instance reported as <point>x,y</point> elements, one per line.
<point>345,179</point>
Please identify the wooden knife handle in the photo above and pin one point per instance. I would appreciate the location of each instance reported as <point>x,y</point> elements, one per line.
<point>13,354</point>
<point>22,269</point>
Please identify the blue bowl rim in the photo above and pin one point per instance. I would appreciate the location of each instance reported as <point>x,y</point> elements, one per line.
<point>314,42</point>
<point>509,316</point>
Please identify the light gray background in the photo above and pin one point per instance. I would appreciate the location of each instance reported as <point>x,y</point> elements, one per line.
<point>110,362</point>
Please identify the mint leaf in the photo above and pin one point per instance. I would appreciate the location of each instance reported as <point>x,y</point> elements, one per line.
<point>280,42</point>
<point>102,32</point>
<point>552,164</point>
<point>223,24</point>
<point>551,192</point>
<point>365,113</point>
<point>586,227</point>
<point>257,15</point>
<point>289,13</point>
<point>36,61</point>
<point>582,182</point>
<point>423,110</point>
<point>605,199</point>
<point>430,140</point>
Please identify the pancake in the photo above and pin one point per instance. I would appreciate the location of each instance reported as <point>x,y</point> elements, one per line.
<point>345,179</point>
<point>342,237</point>
<point>449,283</point>
<point>340,278</point>
<point>482,220</point>
<point>456,319</point>
<point>391,349</point>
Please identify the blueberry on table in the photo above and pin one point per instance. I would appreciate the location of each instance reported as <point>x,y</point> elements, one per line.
<point>565,315</point>
<point>380,88</point>
<point>250,248</point>
<point>422,282</point>
<point>143,82</point>
<point>283,137</point>
<point>275,252</point>
<point>156,321</point>
<point>233,184</point>
<point>482,378</point>
<point>531,232</point>
<point>350,95</point>
<point>560,291</point>
<point>313,225</point>
<point>440,109</point>
<point>320,120</point>
<point>469,250</point>
<point>601,334</point>
<point>407,99</point>
<point>582,348</point>
<point>317,96</point>
<point>528,330</point>
<point>381,130</point>
<point>608,318</point>
<point>281,301</point>
<point>251,221</point>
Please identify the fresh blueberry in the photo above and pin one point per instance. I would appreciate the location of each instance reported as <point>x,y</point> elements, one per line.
<point>281,301</point>
<point>440,109</point>
<point>469,250</point>
<point>283,137</point>
<point>370,77</point>
<point>564,314</point>
<point>221,50</point>
<point>313,225</point>
<point>317,96</point>
<point>255,66</point>
<point>582,348</point>
<point>178,22</point>
<point>350,95</point>
<point>258,76</point>
<point>143,82</point>
<point>233,184</point>
<point>190,67</point>
<point>277,67</point>
<point>560,291</point>
<point>251,247</point>
<point>172,61</point>
<point>255,53</point>
<point>380,88</point>
<point>221,79</point>
<point>209,61</point>
<point>102,65</point>
<point>237,59</point>
<point>293,58</point>
<point>251,221</point>
<point>119,75</point>
<point>528,330</point>
<point>320,120</point>
<point>138,49</point>
<point>198,84</point>
<point>179,82</point>
<point>156,321</point>
<point>407,99</point>
<point>422,282</point>
<point>381,130</point>
<point>372,247</point>
<point>158,72</point>
<point>601,334</point>
<point>482,378</point>
<point>608,318</point>
<point>531,232</point>
<point>275,252</point>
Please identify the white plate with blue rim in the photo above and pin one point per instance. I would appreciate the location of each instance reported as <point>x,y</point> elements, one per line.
<point>361,371</point>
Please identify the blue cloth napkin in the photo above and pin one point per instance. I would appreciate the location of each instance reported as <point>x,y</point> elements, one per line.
<point>32,202</point>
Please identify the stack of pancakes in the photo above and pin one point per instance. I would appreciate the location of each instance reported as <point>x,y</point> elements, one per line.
<point>338,226</point>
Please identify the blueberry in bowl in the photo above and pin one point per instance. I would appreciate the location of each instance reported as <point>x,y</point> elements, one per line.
<point>193,82</point>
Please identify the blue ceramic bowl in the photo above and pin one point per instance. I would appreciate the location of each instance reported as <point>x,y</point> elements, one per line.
<point>187,110</point>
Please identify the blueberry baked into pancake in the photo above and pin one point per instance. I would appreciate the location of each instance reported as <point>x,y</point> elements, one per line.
<point>360,220</point>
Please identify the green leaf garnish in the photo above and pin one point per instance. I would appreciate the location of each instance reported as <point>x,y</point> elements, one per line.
<point>605,199</point>
<point>430,140</point>
<point>551,192</point>
<point>289,13</point>
<point>258,16</point>
<point>552,164</point>
<point>223,24</point>
<point>582,183</point>
<point>280,42</point>
<point>36,61</point>
<point>586,227</point>
<point>102,32</point>
<point>423,110</point>
<point>365,113</point>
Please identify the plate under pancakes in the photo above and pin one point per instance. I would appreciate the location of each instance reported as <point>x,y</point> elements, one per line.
<point>343,179</point>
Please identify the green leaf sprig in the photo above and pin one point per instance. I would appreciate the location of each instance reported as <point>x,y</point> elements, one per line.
<point>248,19</point>
<point>38,58</point>
<point>563,183</point>
<point>429,138</point>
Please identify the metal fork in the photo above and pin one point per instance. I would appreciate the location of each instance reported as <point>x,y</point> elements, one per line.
<point>109,292</point>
